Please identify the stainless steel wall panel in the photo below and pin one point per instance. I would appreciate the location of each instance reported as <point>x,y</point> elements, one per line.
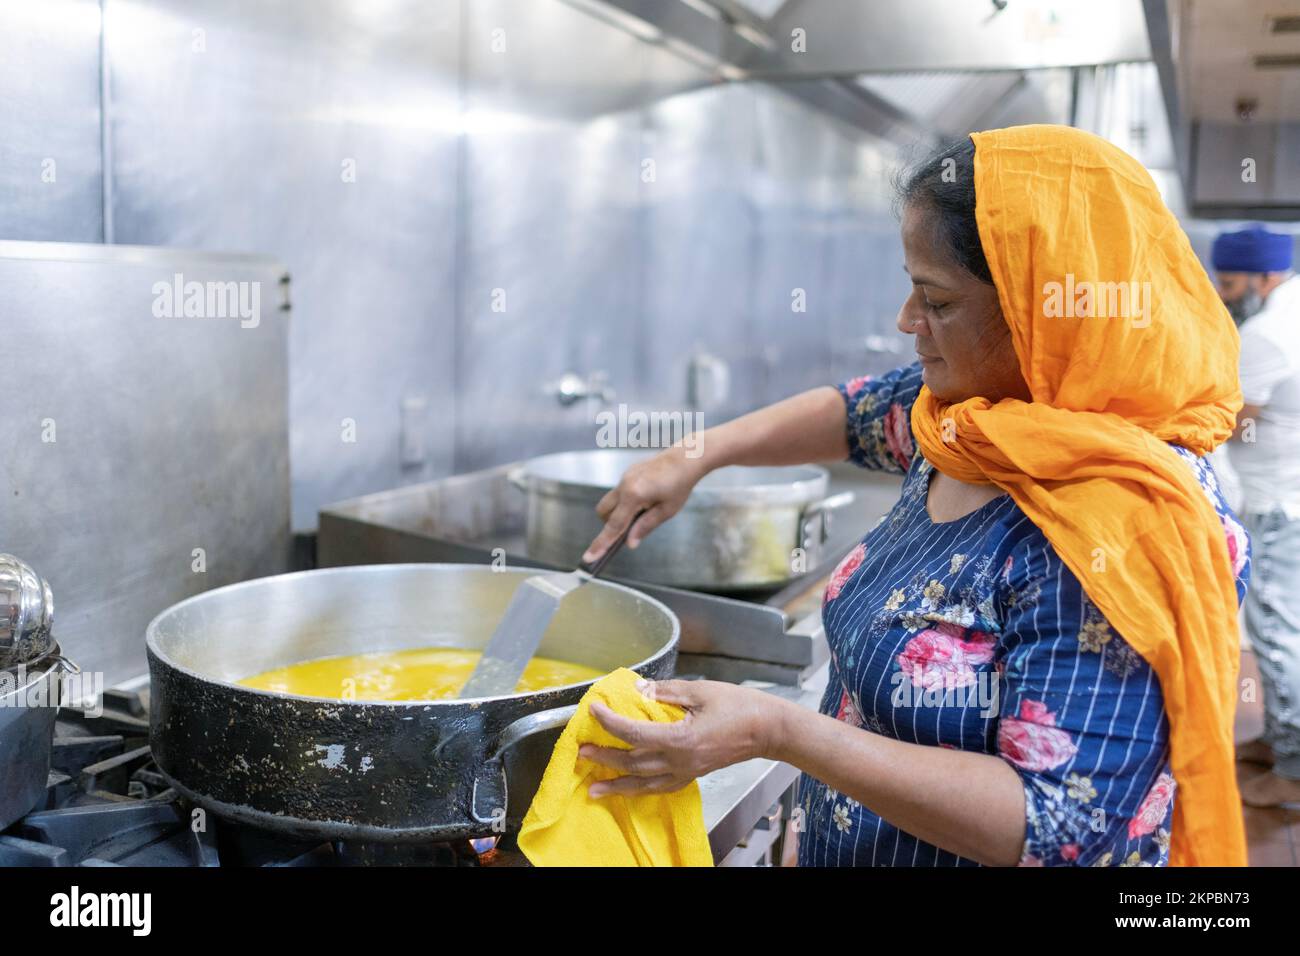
<point>500,153</point>
<point>551,272</point>
<point>51,175</point>
<point>134,438</point>
<point>552,253</point>
<point>324,132</point>
<point>701,233</point>
<point>867,281</point>
<point>847,38</point>
<point>793,198</point>
<point>868,288</point>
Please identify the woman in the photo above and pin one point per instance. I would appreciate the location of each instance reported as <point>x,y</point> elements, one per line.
<point>1060,574</point>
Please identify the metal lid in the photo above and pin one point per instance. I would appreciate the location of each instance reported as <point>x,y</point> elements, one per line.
<point>26,613</point>
<point>596,472</point>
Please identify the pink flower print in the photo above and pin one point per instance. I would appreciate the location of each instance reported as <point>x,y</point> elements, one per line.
<point>945,656</point>
<point>1070,852</point>
<point>846,711</point>
<point>1236,536</point>
<point>1154,806</point>
<point>1032,739</point>
<point>855,385</point>
<point>844,571</point>
<point>897,437</point>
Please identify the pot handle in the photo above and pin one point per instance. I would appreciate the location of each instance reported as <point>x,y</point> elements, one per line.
<point>816,524</point>
<point>833,503</point>
<point>490,796</point>
<point>65,664</point>
<point>531,724</point>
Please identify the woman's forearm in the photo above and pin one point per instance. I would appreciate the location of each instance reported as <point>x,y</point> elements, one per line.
<point>970,804</point>
<point>808,427</point>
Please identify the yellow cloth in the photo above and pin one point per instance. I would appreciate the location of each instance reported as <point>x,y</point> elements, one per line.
<point>566,827</point>
<point>1086,460</point>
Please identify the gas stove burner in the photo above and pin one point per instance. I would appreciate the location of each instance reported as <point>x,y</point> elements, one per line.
<point>151,832</point>
<point>106,804</point>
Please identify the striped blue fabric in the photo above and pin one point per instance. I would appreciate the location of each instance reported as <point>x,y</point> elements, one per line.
<point>971,634</point>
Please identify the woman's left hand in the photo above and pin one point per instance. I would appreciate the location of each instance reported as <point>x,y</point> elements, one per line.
<point>724,724</point>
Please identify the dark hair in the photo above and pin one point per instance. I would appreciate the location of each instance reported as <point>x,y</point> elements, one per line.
<point>943,185</point>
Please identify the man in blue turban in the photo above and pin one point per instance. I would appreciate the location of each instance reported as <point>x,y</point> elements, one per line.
<point>1250,264</point>
<point>1255,280</point>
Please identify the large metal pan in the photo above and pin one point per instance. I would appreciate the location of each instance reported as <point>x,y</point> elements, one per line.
<point>741,529</point>
<point>340,769</point>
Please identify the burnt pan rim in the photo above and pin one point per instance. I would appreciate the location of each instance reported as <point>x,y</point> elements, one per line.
<point>158,655</point>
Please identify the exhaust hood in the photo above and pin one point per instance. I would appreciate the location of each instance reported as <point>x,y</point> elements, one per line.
<point>913,71</point>
<point>1230,73</point>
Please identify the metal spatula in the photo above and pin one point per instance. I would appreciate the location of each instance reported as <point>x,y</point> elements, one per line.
<point>516,638</point>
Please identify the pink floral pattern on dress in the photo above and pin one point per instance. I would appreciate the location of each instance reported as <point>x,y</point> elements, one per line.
<point>1236,535</point>
<point>1152,811</point>
<point>1032,740</point>
<point>844,570</point>
<point>898,434</point>
<point>855,385</point>
<point>878,420</point>
<point>847,712</point>
<point>945,656</point>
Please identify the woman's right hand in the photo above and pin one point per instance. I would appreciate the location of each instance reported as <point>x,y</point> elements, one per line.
<point>659,486</point>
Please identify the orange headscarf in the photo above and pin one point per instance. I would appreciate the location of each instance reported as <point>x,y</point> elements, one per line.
<point>1064,217</point>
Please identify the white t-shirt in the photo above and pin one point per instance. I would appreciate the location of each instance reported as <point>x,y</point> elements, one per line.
<point>1269,466</point>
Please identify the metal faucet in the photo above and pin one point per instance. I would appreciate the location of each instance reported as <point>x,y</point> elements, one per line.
<point>572,387</point>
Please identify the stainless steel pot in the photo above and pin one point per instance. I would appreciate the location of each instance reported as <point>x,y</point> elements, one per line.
<point>29,704</point>
<point>340,769</point>
<point>738,530</point>
<point>26,613</point>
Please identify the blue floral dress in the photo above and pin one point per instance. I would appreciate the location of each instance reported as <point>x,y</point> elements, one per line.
<point>972,634</point>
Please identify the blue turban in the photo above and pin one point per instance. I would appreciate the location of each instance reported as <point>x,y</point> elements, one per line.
<point>1252,250</point>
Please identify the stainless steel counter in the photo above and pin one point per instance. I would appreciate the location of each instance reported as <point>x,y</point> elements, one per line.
<point>737,796</point>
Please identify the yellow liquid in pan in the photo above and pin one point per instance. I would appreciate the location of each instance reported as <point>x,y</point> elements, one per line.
<point>430,673</point>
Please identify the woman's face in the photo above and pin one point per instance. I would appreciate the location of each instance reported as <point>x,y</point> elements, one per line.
<point>961,339</point>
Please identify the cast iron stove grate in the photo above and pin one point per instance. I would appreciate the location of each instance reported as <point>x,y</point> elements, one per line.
<point>107,805</point>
